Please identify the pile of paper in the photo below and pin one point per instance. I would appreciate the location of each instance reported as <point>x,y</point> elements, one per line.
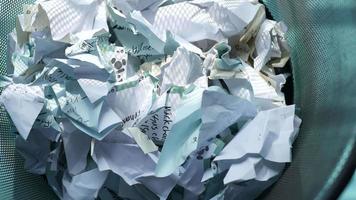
<point>153,99</point>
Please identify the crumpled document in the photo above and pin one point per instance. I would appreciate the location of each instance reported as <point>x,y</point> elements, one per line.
<point>268,146</point>
<point>17,96</point>
<point>153,99</point>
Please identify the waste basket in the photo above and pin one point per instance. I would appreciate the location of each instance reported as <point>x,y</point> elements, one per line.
<point>322,35</point>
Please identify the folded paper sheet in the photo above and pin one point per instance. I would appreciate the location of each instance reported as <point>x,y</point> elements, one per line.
<point>261,148</point>
<point>19,96</point>
<point>150,99</point>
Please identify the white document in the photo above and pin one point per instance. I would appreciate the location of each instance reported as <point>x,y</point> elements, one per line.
<point>69,17</point>
<point>142,140</point>
<point>185,68</point>
<point>158,124</point>
<point>127,6</point>
<point>262,88</point>
<point>83,186</point>
<point>19,99</point>
<point>241,88</point>
<point>191,177</point>
<point>133,103</point>
<point>276,81</point>
<point>76,146</point>
<point>201,20</point>
<point>268,135</point>
<point>220,110</point>
<point>94,89</point>
<point>94,119</point>
<point>183,138</point>
<point>271,43</point>
<point>264,143</point>
<point>253,168</point>
<point>128,160</point>
<point>45,48</point>
<point>33,19</point>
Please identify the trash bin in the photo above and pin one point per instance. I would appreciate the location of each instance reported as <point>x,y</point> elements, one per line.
<point>322,34</point>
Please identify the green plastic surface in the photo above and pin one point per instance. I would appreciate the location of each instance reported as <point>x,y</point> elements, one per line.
<point>350,191</point>
<point>322,34</point>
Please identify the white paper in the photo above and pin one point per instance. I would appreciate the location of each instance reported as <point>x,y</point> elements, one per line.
<point>132,164</point>
<point>83,186</point>
<point>142,140</point>
<point>200,20</point>
<point>261,148</point>
<point>67,18</point>
<point>76,145</point>
<point>131,104</point>
<point>19,99</point>
<point>184,69</point>
<point>220,110</point>
<point>270,43</point>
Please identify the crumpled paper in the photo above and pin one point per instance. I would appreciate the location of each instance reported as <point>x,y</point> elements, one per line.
<point>153,99</point>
